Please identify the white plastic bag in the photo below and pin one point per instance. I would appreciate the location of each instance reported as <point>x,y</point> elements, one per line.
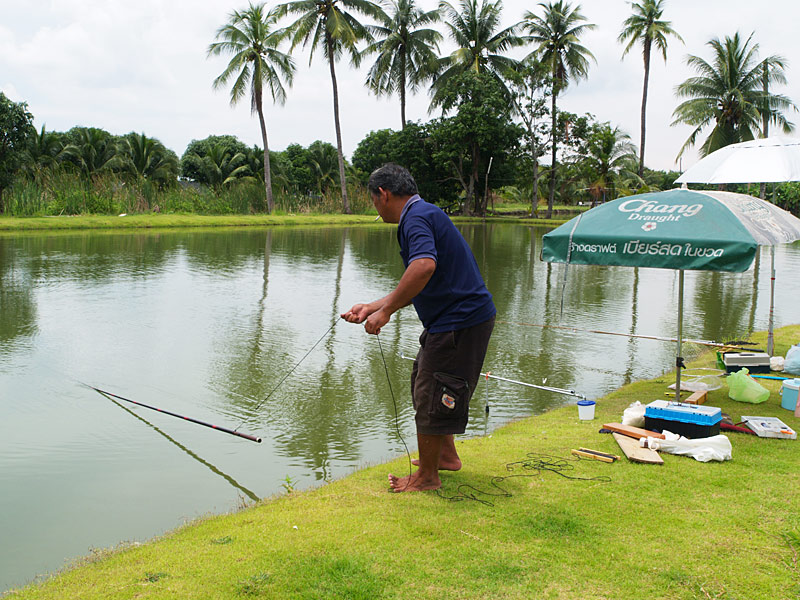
<point>633,416</point>
<point>792,362</point>
<point>776,363</point>
<point>717,447</point>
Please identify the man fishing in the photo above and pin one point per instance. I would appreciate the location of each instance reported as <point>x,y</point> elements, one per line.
<point>444,283</point>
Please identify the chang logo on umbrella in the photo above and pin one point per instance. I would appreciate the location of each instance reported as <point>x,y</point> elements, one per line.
<point>642,209</point>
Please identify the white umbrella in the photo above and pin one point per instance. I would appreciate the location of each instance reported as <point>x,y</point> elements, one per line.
<point>767,160</point>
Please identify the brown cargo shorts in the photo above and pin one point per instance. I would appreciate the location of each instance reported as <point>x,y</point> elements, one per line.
<point>444,376</point>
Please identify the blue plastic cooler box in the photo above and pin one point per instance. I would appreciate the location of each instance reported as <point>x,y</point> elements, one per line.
<point>688,420</point>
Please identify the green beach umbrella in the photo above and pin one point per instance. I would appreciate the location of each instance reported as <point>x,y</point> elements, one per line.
<point>678,229</point>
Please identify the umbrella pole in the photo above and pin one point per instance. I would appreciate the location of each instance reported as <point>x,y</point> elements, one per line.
<point>770,337</point>
<point>678,358</point>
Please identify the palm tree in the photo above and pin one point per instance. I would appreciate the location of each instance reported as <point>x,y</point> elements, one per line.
<point>42,151</point>
<point>729,94</point>
<point>407,51</point>
<point>220,166</point>
<point>147,158</point>
<point>330,26</point>
<point>610,153</point>
<point>92,151</point>
<point>474,29</point>
<point>557,34</point>
<point>645,26</point>
<point>250,36</point>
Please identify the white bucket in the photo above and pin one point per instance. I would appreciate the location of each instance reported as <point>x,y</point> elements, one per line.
<point>586,410</point>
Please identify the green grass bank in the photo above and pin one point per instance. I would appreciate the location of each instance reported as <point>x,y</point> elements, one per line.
<point>682,530</point>
<point>173,221</point>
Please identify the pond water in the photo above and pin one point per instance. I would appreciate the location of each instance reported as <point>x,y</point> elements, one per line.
<point>208,323</point>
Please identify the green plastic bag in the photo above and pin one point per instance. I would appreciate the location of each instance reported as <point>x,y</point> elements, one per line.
<point>743,388</point>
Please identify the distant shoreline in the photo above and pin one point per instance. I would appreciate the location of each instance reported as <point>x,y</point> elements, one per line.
<point>168,221</point>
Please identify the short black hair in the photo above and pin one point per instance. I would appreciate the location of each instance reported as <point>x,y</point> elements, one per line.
<point>392,178</point>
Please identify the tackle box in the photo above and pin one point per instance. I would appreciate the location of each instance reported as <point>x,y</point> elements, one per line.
<point>688,420</point>
<point>755,362</point>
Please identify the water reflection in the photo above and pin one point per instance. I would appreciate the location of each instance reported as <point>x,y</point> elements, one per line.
<point>209,324</point>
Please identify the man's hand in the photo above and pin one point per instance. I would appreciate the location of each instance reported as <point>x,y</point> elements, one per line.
<point>372,315</point>
<point>375,321</point>
<point>358,313</point>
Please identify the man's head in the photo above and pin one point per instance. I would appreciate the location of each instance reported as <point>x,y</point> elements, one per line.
<point>392,178</point>
<point>390,187</point>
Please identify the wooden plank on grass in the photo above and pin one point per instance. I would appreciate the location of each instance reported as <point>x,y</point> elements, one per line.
<point>635,453</point>
<point>634,432</point>
<point>697,398</point>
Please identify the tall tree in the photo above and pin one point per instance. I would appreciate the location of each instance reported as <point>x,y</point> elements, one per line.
<point>407,51</point>
<point>478,136</point>
<point>769,66</point>
<point>481,44</point>
<point>557,33</point>
<point>529,98</point>
<point>252,39</point>
<point>331,26</point>
<point>646,26</point>
<point>16,124</point>
<point>729,95</point>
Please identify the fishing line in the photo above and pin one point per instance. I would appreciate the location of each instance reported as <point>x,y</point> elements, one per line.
<point>285,377</point>
<point>534,464</point>
<point>396,415</point>
<point>566,265</point>
<point>730,344</point>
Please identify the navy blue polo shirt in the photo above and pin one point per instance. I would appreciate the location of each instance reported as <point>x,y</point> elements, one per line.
<point>456,296</point>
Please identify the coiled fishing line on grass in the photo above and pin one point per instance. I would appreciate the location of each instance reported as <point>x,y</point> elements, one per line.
<point>534,463</point>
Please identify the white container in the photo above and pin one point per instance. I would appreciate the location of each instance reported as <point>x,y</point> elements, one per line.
<point>586,410</point>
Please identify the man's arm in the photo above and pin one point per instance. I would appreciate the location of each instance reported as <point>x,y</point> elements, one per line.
<point>377,313</point>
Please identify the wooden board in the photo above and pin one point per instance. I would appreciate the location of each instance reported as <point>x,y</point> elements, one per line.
<point>697,398</point>
<point>633,432</point>
<point>635,453</point>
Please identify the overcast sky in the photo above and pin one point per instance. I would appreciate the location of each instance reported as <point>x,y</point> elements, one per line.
<point>141,66</point>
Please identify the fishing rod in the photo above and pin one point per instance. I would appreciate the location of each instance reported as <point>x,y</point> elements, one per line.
<point>732,344</point>
<point>250,494</point>
<point>246,436</point>
<point>546,388</point>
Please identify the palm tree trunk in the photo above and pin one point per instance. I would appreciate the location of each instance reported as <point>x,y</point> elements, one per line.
<point>764,124</point>
<point>267,173</point>
<point>345,204</point>
<point>535,199</point>
<point>403,90</point>
<point>551,196</point>
<point>644,103</point>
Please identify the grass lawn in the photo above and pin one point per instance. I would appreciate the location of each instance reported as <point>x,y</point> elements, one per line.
<point>682,530</point>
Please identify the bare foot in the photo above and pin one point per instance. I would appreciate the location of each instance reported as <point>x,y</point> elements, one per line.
<point>413,483</point>
<point>444,465</point>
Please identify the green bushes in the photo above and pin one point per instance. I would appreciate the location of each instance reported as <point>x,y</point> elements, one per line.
<point>61,192</point>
